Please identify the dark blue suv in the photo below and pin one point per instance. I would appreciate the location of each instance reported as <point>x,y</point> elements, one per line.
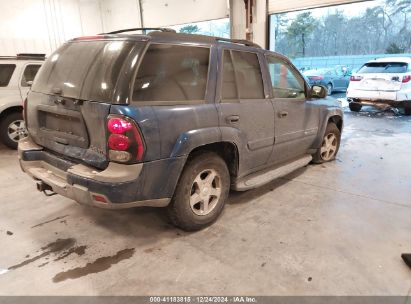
<point>171,120</point>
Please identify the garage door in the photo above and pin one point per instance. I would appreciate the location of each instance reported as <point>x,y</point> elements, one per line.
<point>157,13</point>
<point>280,6</point>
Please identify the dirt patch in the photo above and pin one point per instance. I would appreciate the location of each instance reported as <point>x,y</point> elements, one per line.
<point>79,250</point>
<point>99,265</point>
<point>53,247</point>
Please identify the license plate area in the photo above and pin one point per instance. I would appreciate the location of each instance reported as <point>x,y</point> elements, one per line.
<point>63,126</point>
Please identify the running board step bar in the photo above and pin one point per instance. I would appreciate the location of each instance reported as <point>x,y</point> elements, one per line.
<point>259,179</point>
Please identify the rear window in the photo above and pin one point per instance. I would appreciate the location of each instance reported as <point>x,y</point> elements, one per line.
<point>6,71</point>
<point>86,70</point>
<point>242,78</point>
<point>172,73</point>
<point>384,67</point>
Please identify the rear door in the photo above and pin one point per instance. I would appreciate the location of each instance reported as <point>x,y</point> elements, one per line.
<point>296,118</point>
<point>244,109</point>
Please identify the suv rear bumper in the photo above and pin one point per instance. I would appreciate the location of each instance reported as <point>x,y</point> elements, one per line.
<point>394,98</point>
<point>117,187</point>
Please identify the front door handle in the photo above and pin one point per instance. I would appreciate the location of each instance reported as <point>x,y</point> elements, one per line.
<point>232,118</point>
<point>283,114</point>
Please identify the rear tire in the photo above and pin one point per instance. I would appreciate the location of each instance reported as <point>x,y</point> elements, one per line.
<point>201,192</point>
<point>355,107</point>
<point>12,129</point>
<point>407,109</point>
<point>329,145</point>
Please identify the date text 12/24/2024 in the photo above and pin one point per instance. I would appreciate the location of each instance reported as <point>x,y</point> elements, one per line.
<point>203,299</point>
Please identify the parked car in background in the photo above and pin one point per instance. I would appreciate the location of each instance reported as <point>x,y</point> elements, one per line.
<point>16,75</point>
<point>384,82</point>
<point>334,79</point>
<point>171,120</point>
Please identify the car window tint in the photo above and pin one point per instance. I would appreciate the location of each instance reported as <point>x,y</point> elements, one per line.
<point>229,85</point>
<point>6,71</point>
<point>172,73</point>
<point>285,81</point>
<point>248,75</point>
<point>384,67</point>
<point>29,73</point>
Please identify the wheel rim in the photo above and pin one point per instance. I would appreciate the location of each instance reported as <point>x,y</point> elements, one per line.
<point>329,146</point>
<point>205,192</point>
<point>17,130</point>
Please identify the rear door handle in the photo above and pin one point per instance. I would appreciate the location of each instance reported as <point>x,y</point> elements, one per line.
<point>283,114</point>
<point>232,118</point>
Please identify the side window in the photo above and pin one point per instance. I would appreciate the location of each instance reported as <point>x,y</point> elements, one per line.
<point>6,71</point>
<point>241,76</point>
<point>285,81</point>
<point>172,73</point>
<point>229,85</point>
<point>29,73</point>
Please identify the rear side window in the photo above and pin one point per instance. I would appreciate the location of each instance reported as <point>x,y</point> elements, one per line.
<point>241,76</point>
<point>86,70</point>
<point>384,67</point>
<point>6,71</point>
<point>29,73</point>
<point>172,73</point>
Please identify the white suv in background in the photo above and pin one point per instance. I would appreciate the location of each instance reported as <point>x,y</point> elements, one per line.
<point>16,76</point>
<point>382,83</point>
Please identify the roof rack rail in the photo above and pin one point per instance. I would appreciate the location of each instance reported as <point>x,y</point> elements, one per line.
<point>25,56</point>
<point>162,29</point>
<point>239,41</point>
<point>31,55</point>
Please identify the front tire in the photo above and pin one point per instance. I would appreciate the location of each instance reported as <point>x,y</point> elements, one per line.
<point>355,107</point>
<point>201,192</point>
<point>329,146</point>
<point>12,129</point>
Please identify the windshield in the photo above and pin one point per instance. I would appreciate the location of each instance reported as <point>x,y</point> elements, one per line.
<point>384,67</point>
<point>86,70</point>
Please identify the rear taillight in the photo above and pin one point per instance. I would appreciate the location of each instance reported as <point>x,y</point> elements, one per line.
<point>125,144</point>
<point>316,78</point>
<point>406,78</point>
<point>355,78</point>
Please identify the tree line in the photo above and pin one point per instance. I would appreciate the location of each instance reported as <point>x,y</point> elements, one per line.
<point>385,28</point>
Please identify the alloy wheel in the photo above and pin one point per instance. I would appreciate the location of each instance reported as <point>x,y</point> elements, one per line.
<point>329,147</point>
<point>17,130</point>
<point>205,192</point>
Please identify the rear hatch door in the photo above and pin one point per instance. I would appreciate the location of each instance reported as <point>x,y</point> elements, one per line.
<point>381,76</point>
<point>71,97</point>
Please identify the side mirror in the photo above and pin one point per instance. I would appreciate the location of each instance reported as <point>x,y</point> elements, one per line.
<point>318,91</point>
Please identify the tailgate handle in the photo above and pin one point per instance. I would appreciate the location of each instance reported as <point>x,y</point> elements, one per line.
<point>59,101</point>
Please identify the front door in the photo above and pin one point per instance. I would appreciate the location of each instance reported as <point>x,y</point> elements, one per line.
<point>244,111</point>
<point>296,118</point>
